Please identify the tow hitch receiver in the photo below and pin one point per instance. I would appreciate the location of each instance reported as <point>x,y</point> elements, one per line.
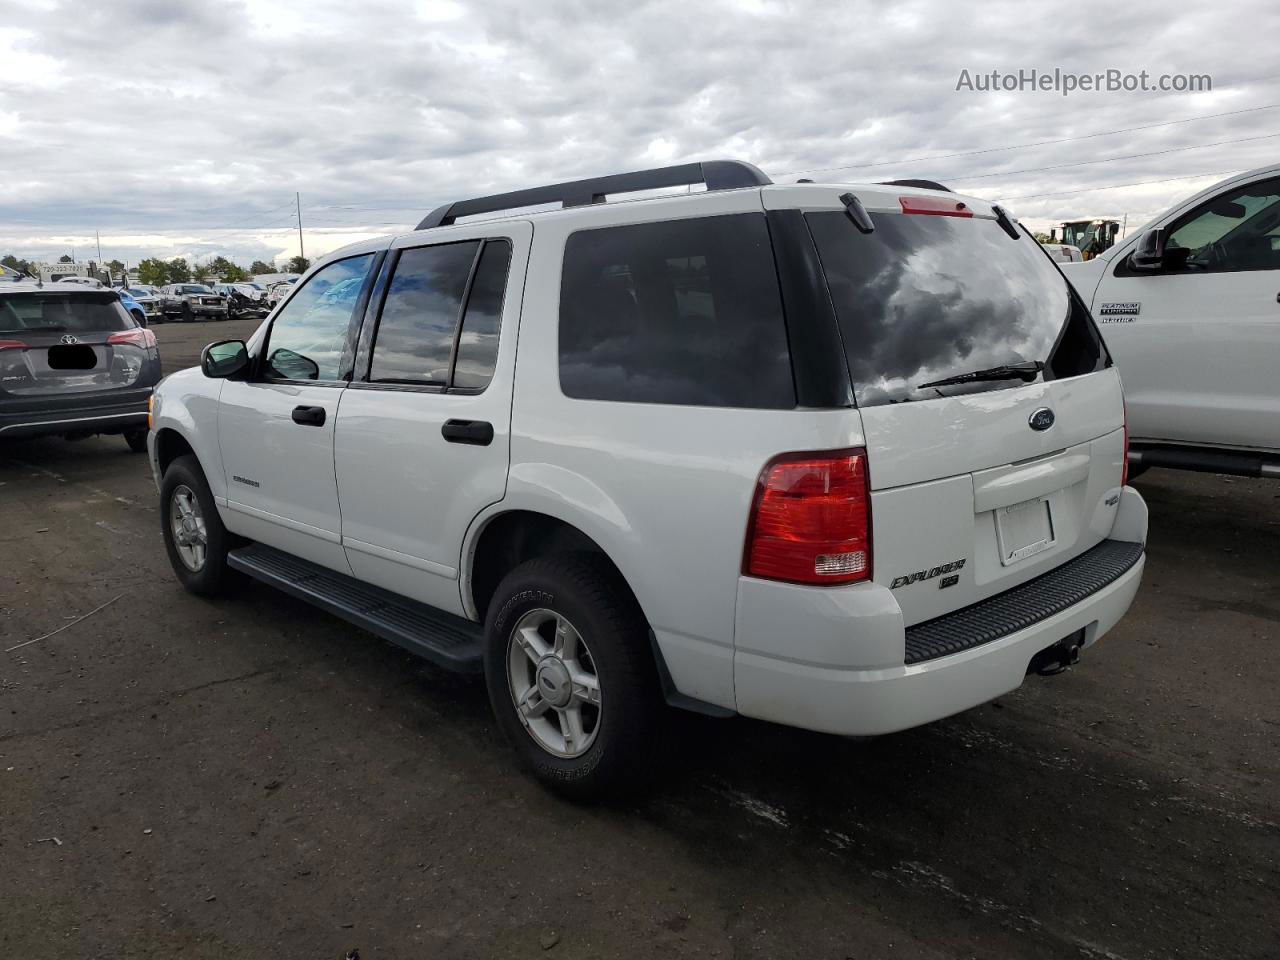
<point>1057,658</point>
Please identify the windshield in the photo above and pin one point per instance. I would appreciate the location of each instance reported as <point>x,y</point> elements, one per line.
<point>71,312</point>
<point>924,298</point>
<point>193,288</point>
<point>138,292</point>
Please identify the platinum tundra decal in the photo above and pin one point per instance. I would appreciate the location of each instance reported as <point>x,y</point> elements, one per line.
<point>1119,312</point>
<point>930,574</point>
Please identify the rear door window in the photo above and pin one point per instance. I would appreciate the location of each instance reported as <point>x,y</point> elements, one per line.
<point>924,298</point>
<point>678,312</point>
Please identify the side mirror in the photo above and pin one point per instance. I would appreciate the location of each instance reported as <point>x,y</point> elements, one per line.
<point>225,359</point>
<point>1149,253</point>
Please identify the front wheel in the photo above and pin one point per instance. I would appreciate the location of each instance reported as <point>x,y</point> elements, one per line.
<point>571,676</point>
<point>187,314</point>
<point>194,537</point>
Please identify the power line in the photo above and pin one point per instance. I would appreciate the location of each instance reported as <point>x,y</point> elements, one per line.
<point>1132,156</point>
<point>1036,143</point>
<point>1116,186</point>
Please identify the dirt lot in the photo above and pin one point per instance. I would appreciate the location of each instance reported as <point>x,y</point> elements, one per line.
<point>255,779</point>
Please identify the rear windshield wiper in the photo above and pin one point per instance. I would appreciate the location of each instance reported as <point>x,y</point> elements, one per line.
<point>1028,370</point>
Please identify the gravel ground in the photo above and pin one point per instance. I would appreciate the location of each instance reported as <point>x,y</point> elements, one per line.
<point>253,778</point>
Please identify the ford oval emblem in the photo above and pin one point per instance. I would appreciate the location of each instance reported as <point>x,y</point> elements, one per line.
<point>1041,419</point>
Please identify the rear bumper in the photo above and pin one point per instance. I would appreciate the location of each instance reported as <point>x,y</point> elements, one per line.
<point>106,418</point>
<point>837,660</point>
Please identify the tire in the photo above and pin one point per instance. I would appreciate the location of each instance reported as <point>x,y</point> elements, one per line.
<point>212,577</point>
<point>618,735</point>
<point>137,440</point>
<point>188,316</point>
<point>140,317</point>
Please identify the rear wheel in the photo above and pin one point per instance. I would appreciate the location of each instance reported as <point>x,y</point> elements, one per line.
<point>137,440</point>
<point>194,537</point>
<point>571,677</point>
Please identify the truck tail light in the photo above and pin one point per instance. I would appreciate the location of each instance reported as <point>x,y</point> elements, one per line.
<point>1124,463</point>
<point>139,337</point>
<point>811,519</point>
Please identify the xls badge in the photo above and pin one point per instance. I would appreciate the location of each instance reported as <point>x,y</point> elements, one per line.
<point>1119,312</point>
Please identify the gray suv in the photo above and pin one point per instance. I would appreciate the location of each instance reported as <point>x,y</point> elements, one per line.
<point>73,362</point>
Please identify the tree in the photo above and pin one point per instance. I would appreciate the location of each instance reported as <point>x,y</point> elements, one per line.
<point>298,265</point>
<point>178,270</point>
<point>13,263</point>
<point>1041,237</point>
<point>115,268</point>
<point>66,258</point>
<point>260,267</point>
<point>228,271</point>
<point>202,273</point>
<point>153,272</point>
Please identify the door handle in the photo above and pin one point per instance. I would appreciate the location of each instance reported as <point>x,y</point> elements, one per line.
<point>476,432</point>
<point>309,416</point>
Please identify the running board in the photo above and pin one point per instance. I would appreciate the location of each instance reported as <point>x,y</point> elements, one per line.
<point>445,639</point>
<point>1206,460</point>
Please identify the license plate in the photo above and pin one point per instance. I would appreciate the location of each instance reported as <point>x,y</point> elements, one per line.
<point>1023,530</point>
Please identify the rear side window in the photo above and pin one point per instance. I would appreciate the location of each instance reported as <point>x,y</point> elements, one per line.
<point>680,312</point>
<point>55,312</point>
<point>924,298</point>
<point>419,340</point>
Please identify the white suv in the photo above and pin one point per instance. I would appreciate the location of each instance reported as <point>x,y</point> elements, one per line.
<point>849,458</point>
<point>1191,307</point>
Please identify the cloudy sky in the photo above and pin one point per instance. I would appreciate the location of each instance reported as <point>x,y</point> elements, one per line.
<point>185,128</point>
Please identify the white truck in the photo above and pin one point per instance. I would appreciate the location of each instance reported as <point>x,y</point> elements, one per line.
<point>1190,310</point>
<point>849,458</point>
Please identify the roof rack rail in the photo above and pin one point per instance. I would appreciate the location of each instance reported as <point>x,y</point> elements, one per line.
<point>716,174</point>
<point>921,184</point>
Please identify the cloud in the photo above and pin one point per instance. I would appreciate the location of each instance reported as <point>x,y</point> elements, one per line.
<point>183,128</point>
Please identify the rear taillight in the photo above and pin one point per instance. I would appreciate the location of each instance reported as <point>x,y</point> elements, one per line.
<point>140,337</point>
<point>811,520</point>
<point>1124,463</point>
<point>12,345</point>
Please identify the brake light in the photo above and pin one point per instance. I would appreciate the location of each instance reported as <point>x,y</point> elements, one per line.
<point>811,519</point>
<point>1124,463</point>
<point>935,206</point>
<point>12,345</point>
<point>138,337</point>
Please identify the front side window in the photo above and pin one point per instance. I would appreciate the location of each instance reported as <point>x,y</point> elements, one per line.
<point>678,312</point>
<point>307,338</point>
<point>1239,230</point>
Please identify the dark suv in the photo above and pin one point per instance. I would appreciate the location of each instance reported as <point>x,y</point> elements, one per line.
<point>73,362</point>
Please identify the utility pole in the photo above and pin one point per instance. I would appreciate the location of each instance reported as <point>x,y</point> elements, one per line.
<point>98,240</point>
<point>1124,229</point>
<point>297,199</point>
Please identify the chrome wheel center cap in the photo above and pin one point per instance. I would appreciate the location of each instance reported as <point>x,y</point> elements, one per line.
<point>553,682</point>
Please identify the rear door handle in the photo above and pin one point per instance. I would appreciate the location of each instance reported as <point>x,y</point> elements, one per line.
<point>309,416</point>
<point>476,432</point>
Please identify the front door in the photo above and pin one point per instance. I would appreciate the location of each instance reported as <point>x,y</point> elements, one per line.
<point>1197,341</point>
<point>423,434</point>
<point>276,428</point>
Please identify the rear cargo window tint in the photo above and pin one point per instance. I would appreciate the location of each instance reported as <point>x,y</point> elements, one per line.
<point>55,312</point>
<point>925,298</point>
<point>680,312</point>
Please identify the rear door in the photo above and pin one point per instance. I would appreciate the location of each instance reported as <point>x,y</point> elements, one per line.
<point>423,435</point>
<point>976,486</point>
<point>276,428</point>
<point>62,349</point>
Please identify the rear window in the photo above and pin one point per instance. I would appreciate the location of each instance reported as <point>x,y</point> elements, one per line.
<point>71,312</point>
<point>679,312</point>
<point>924,298</point>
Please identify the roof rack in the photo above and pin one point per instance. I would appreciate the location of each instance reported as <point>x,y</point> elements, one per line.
<point>716,174</point>
<point>920,184</point>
